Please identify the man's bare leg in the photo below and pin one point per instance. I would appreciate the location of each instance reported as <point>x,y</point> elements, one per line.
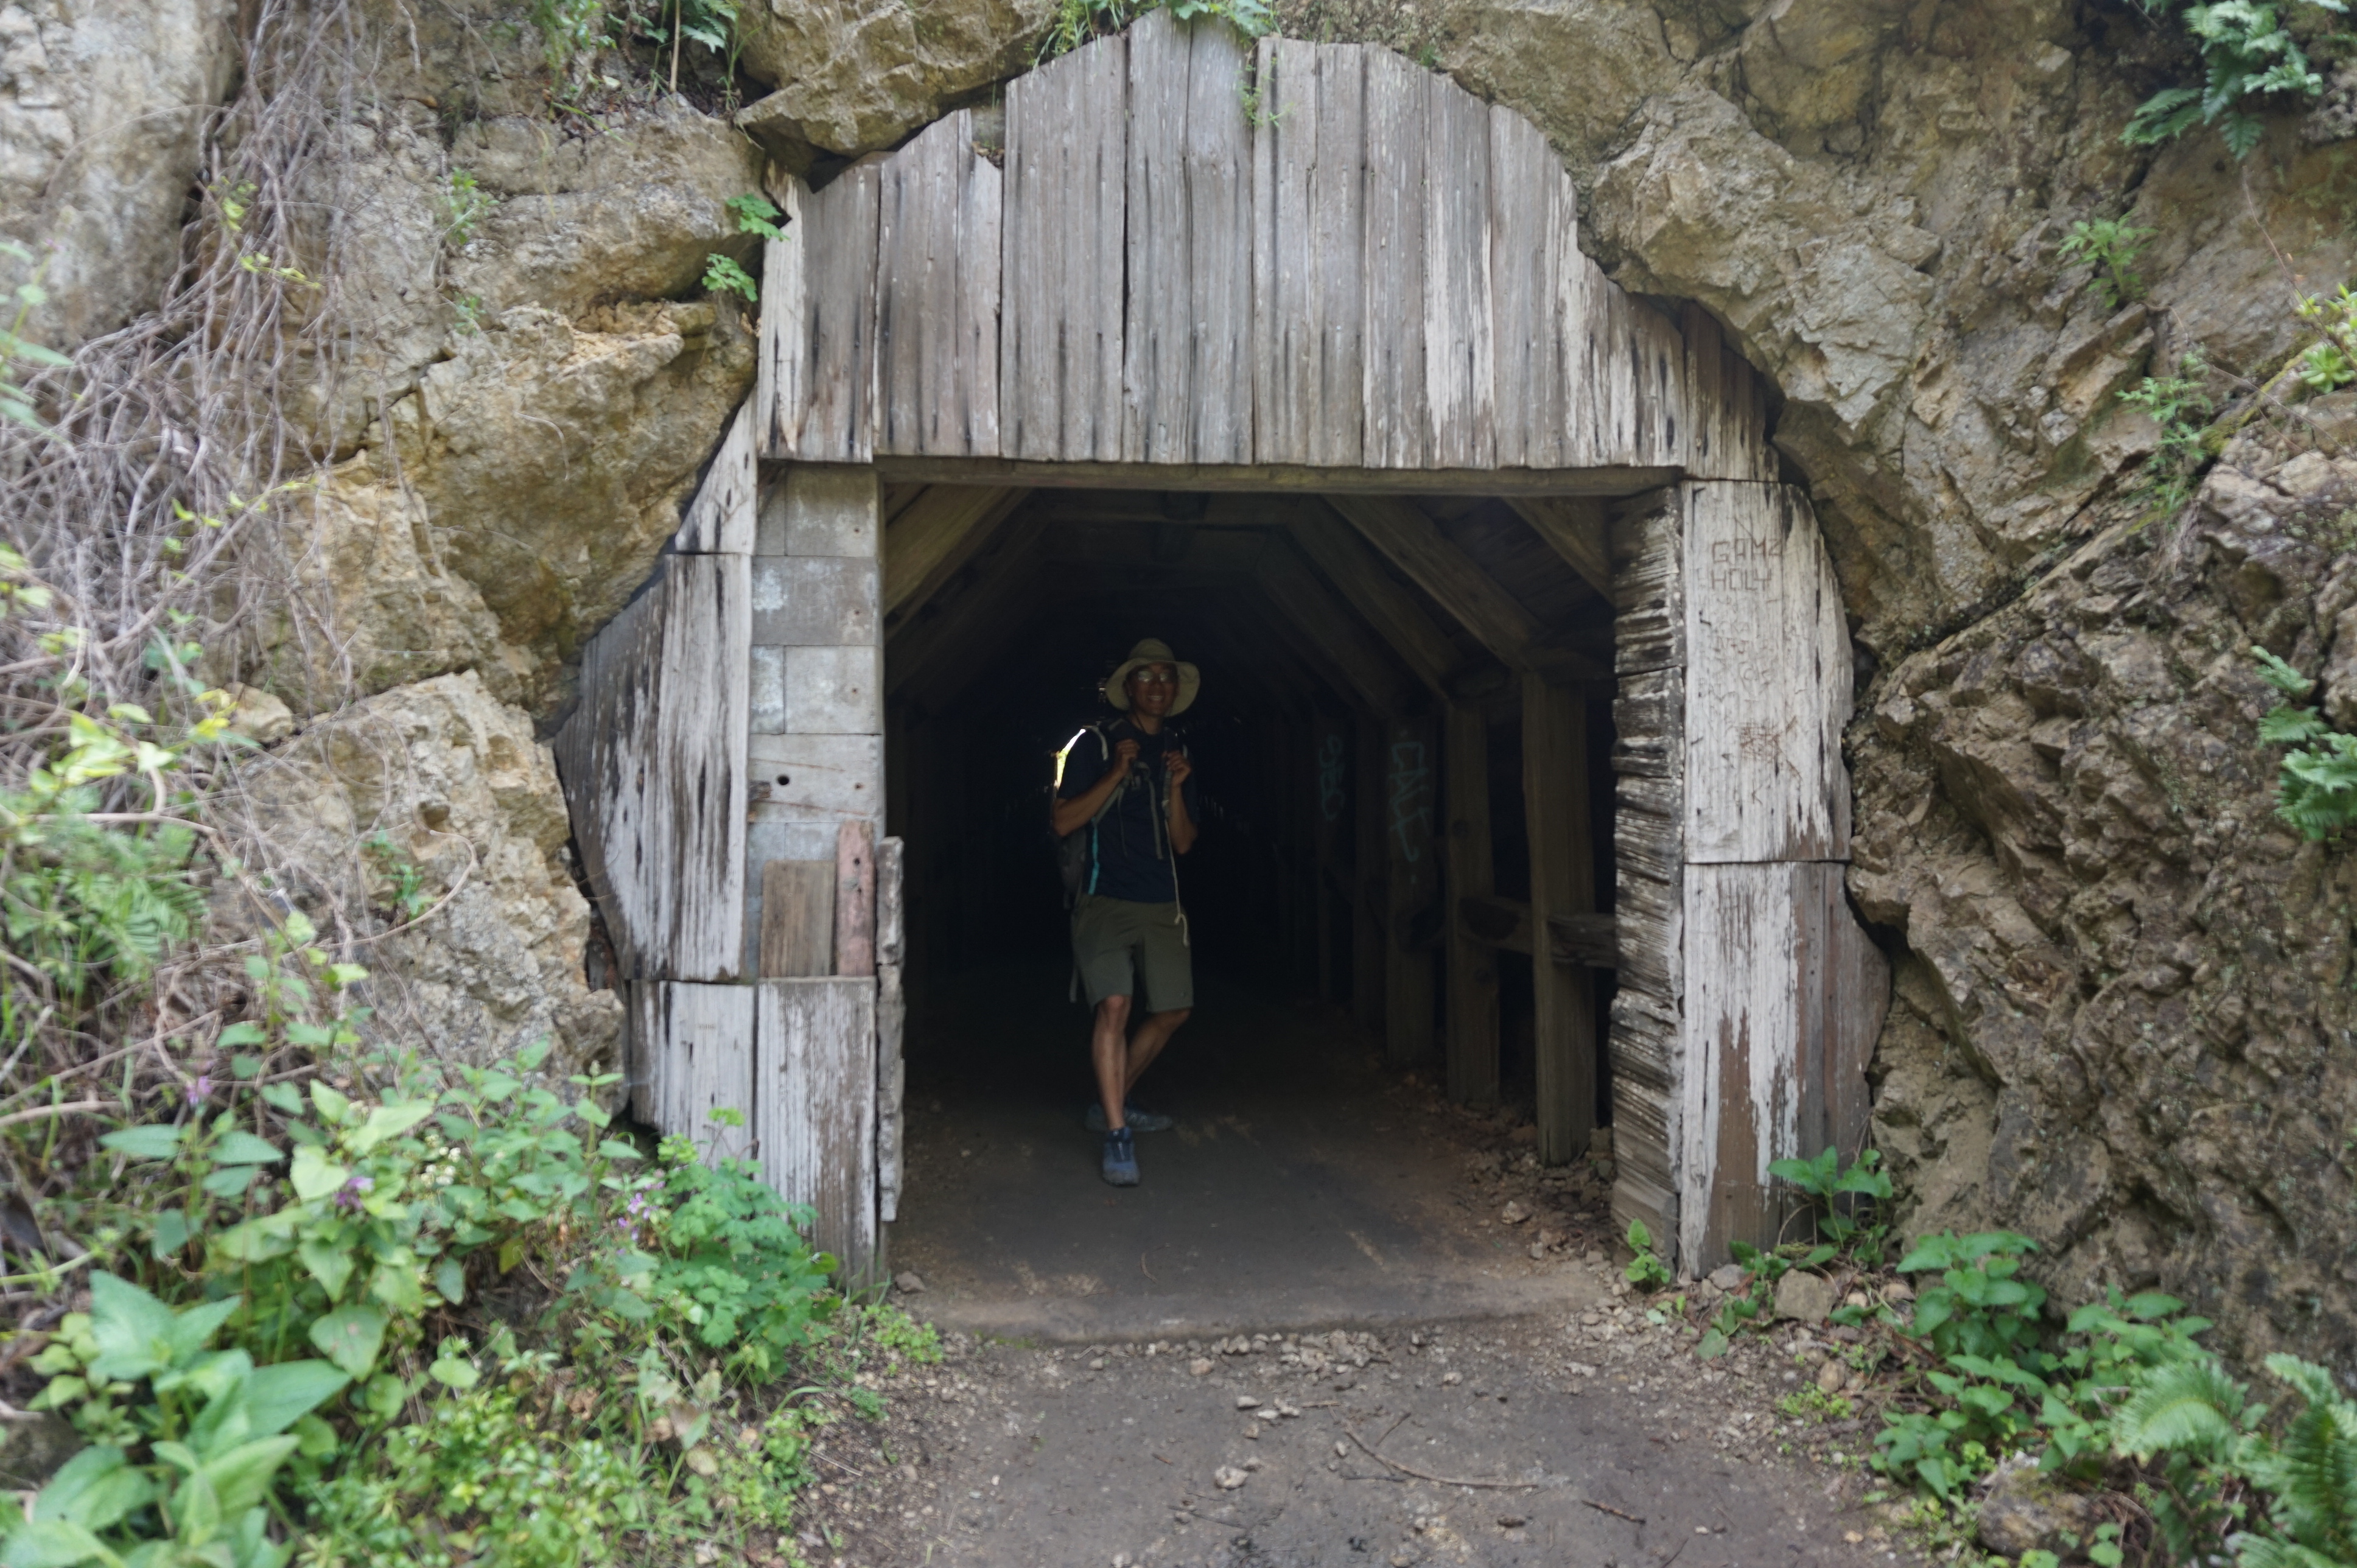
<point>1148,1043</point>
<point>1109,1049</point>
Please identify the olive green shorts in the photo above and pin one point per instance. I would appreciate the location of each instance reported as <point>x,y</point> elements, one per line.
<point>1118,942</point>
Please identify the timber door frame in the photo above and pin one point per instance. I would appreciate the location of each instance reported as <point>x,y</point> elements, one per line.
<point>1371,288</point>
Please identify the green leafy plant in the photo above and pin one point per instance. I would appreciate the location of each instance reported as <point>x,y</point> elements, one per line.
<point>407,879</point>
<point>465,203</point>
<point>2317,790</point>
<point>1838,1196</point>
<point>2111,246</point>
<point>17,349</point>
<point>756,214</point>
<point>567,27</point>
<point>734,1269</point>
<point>213,1425</point>
<point>2247,53</point>
<point>1076,22</point>
<point>2181,406</point>
<point>722,276</point>
<point>1645,1271</point>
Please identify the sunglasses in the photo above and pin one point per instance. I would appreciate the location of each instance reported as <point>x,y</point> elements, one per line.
<point>1148,678</point>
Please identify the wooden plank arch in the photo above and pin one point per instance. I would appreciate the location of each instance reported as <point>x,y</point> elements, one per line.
<point>1323,270</point>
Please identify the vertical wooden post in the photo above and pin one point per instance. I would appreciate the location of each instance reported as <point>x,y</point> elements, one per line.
<point>1415,871</point>
<point>1368,877</point>
<point>1472,966</point>
<point>1563,881</point>
<point>1331,824</point>
<point>891,1016</point>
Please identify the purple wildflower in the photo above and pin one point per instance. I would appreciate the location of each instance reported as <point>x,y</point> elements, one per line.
<point>348,1196</point>
<point>201,1089</point>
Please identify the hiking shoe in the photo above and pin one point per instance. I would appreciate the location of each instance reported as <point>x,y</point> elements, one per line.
<point>1139,1121</point>
<point>1121,1158</point>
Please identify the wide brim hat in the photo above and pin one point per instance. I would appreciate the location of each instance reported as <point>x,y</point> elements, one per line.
<point>1153,650</point>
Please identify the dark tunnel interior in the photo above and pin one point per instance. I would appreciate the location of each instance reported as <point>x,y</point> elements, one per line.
<point>1329,676</point>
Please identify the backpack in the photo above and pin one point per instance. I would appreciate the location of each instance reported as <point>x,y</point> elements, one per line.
<point>1076,850</point>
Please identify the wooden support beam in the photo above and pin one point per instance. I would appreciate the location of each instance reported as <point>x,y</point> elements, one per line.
<point>920,642</point>
<point>929,540</point>
<point>814,1109</point>
<point>1332,825</point>
<point>1578,530</point>
<point>1416,546</point>
<point>797,918</point>
<point>1584,940</point>
<point>1415,895</point>
<point>1602,480</point>
<point>1391,610</point>
<point>1472,1045</point>
<point>1563,881</point>
<point>1375,678</point>
<point>1369,873</point>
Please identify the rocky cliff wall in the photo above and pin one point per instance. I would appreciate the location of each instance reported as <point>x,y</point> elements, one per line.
<point>2122,991</point>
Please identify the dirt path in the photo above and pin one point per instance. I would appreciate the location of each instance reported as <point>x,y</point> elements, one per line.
<point>1616,1450</point>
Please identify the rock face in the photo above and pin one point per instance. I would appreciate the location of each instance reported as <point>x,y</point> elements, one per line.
<point>439,779</point>
<point>100,107</point>
<point>2123,1017</point>
<point>853,77</point>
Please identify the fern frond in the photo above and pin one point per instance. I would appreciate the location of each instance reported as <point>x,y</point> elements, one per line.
<point>2191,1407</point>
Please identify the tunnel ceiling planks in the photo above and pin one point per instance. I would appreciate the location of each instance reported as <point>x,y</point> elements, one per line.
<point>1375,270</point>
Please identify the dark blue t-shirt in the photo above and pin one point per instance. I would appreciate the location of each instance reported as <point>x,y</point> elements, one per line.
<point>1132,858</point>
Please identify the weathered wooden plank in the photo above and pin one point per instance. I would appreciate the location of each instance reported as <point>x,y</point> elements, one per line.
<point>797,918</point>
<point>891,1018</point>
<point>1398,419</point>
<point>932,538</point>
<point>826,691</point>
<point>697,1041</point>
<point>1460,372</point>
<point>1505,924</point>
<point>833,419</point>
<point>1359,576</point>
<point>1767,679</point>
<point>1186,380</point>
<point>1411,799</point>
<point>1726,406</point>
<point>855,899</point>
<point>816,778</point>
<point>781,370</point>
<point>937,296</point>
<point>1061,317</point>
<point>1783,993</point>
<point>1563,881</point>
<point>1308,199</point>
<point>1577,530</point>
<point>1649,593</point>
<point>653,763</point>
<point>1472,874</point>
<point>1534,228</point>
<point>1602,480</point>
<point>892,1089</point>
<point>720,520</point>
<point>1415,543</point>
<point>805,601</point>
<point>830,510</point>
<point>815,1100</point>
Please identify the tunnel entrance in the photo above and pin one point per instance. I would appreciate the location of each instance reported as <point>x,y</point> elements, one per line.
<point>1329,395</point>
<point>1363,880</point>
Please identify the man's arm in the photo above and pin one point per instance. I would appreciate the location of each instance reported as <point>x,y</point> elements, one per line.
<point>1069,817</point>
<point>1182,821</point>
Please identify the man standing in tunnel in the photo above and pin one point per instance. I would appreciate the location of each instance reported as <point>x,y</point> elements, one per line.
<point>1129,785</point>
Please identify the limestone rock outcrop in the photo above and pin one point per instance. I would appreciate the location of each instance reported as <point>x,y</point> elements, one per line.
<point>101,105</point>
<point>2123,1020</point>
<point>852,76</point>
<point>439,779</point>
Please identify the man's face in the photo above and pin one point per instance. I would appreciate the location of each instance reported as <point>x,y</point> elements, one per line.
<point>1153,688</point>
